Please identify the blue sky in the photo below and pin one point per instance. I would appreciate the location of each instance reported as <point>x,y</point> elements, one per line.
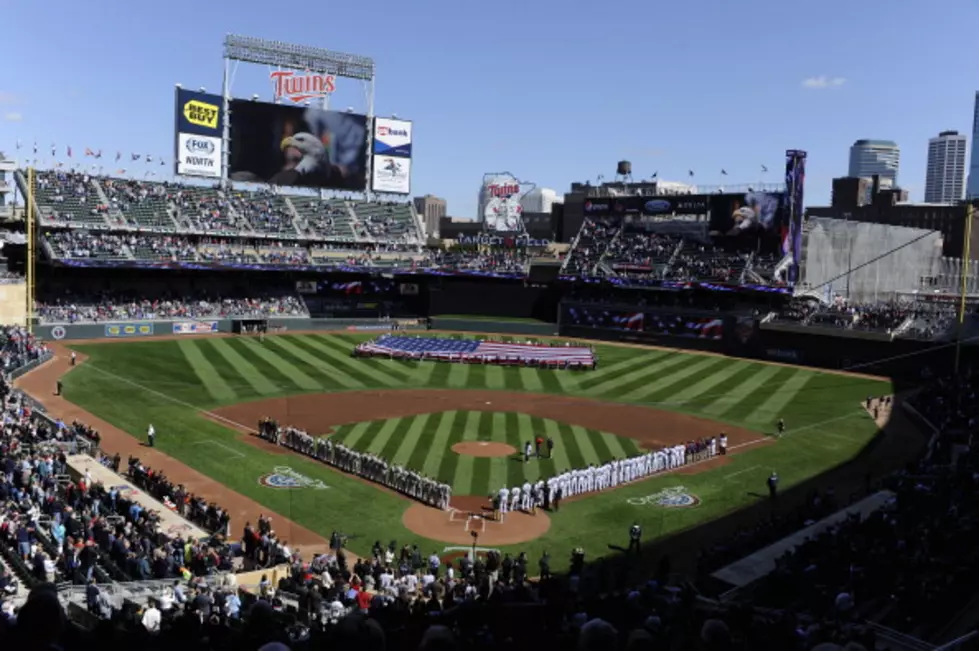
<point>552,91</point>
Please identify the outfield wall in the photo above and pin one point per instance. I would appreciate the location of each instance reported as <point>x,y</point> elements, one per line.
<point>530,329</point>
<point>151,329</point>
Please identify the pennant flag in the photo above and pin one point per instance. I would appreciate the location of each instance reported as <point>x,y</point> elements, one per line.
<point>764,169</point>
<point>98,154</point>
<point>89,152</point>
<point>60,164</point>
<point>121,171</point>
<point>118,156</point>
<point>53,150</point>
<point>149,159</point>
<point>723,172</point>
<point>35,147</point>
<point>134,156</point>
<point>690,172</point>
<point>162,162</point>
<point>656,174</point>
<point>69,152</point>
<point>19,144</point>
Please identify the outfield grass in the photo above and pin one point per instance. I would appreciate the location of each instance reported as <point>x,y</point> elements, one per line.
<point>169,382</point>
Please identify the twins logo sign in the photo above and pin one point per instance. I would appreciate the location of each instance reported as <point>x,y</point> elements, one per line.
<point>676,497</point>
<point>286,477</point>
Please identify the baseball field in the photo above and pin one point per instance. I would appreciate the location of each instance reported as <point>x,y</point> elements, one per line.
<point>204,394</point>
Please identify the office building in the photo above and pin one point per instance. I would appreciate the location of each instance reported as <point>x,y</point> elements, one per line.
<point>875,157</point>
<point>540,200</point>
<point>945,175</point>
<point>972,189</point>
<point>431,209</point>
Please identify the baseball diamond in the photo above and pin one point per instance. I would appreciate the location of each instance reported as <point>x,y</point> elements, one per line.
<point>205,395</point>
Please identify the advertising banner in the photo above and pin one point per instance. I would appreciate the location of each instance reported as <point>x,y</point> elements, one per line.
<point>392,137</point>
<point>499,201</point>
<point>297,146</point>
<point>198,149</point>
<point>688,204</point>
<point>129,330</point>
<point>195,327</point>
<point>795,181</point>
<point>391,174</point>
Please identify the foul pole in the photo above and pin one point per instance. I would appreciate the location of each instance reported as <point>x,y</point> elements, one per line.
<point>963,291</point>
<point>30,224</point>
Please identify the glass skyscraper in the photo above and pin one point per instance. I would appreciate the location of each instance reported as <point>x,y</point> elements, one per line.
<point>972,186</point>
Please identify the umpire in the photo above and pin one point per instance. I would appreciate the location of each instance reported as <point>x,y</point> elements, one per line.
<point>635,537</point>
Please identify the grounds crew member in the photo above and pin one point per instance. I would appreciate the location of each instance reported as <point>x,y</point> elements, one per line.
<point>57,388</point>
<point>150,436</point>
<point>773,485</point>
<point>74,357</point>
<point>781,426</point>
<point>635,537</point>
<point>550,446</point>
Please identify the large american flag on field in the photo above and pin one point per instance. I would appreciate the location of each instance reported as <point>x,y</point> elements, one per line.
<point>452,349</point>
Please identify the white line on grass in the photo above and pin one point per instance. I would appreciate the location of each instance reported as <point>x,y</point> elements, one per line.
<point>221,445</point>
<point>175,401</point>
<point>735,474</point>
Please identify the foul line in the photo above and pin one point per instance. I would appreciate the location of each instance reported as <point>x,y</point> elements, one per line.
<point>221,445</point>
<point>175,401</point>
<point>735,474</point>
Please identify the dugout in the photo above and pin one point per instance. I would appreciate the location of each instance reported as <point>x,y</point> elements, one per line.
<point>249,326</point>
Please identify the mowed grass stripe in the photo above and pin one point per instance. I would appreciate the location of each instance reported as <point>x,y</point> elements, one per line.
<point>418,454</point>
<point>674,377</point>
<point>463,476</point>
<point>361,439</point>
<point>495,377</point>
<point>351,437</point>
<point>736,395</point>
<point>205,372</point>
<point>397,437</point>
<point>752,402</point>
<point>530,379</point>
<point>411,439</point>
<point>512,381</point>
<point>480,483</point>
<point>731,383</point>
<point>560,461</point>
<point>332,363</point>
<point>383,371</point>
<point>458,375</point>
<point>324,368</point>
<point>514,467</point>
<point>439,375</point>
<point>582,438</point>
<point>569,440</point>
<point>497,470</point>
<point>640,377</point>
<point>259,383</point>
<point>698,387</point>
<point>616,369</point>
<point>395,368</point>
<point>383,435</point>
<point>771,410</point>
<point>548,379</point>
<point>447,467</point>
<point>274,374</point>
<point>286,368</point>
<point>477,376</point>
<point>228,373</point>
<point>545,465</point>
<point>615,447</point>
<point>531,471</point>
<point>422,372</point>
<point>439,447</point>
<point>601,448</point>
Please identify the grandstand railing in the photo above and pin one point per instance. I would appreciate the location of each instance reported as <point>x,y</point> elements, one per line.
<point>897,641</point>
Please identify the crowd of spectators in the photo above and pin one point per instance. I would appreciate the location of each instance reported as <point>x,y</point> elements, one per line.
<point>86,244</point>
<point>591,243</point>
<point>124,305</point>
<point>697,261</point>
<point>641,249</point>
<point>506,261</point>
<point>18,348</point>
<point>263,212</point>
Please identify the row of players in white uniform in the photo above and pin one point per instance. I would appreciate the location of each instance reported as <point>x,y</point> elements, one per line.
<point>608,475</point>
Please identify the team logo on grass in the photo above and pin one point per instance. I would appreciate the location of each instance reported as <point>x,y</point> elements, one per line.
<point>286,477</point>
<point>676,497</point>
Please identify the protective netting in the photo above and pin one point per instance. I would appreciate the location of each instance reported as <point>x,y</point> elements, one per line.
<point>839,254</point>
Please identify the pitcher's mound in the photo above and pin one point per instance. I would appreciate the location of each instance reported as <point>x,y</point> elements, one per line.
<point>468,514</point>
<point>484,449</point>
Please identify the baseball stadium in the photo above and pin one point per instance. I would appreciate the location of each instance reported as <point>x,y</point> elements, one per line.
<point>269,383</point>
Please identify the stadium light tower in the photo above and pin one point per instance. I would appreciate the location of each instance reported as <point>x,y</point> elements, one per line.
<point>299,58</point>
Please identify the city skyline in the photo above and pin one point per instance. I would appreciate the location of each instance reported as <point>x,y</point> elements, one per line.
<point>945,173</point>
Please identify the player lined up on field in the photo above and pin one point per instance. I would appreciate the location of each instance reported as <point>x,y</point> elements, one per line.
<point>548,494</point>
<point>368,466</point>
